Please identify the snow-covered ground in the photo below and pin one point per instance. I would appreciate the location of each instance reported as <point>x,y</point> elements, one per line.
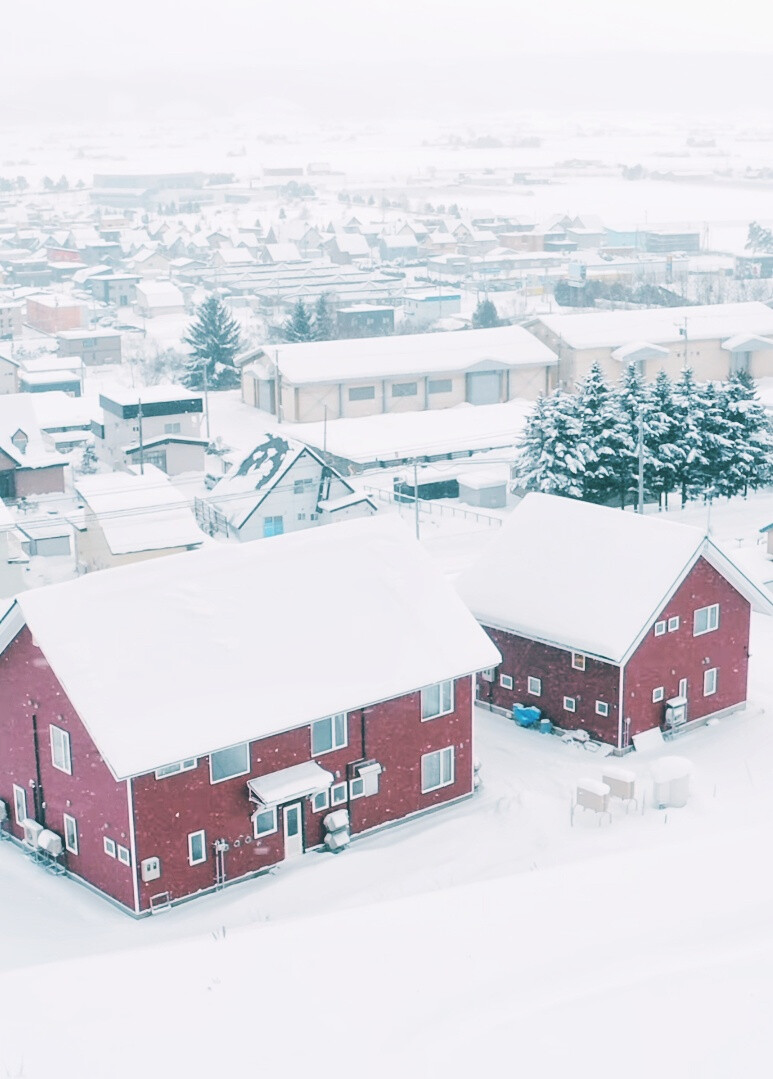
<point>494,936</point>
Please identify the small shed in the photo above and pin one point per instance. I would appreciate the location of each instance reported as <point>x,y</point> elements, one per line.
<point>47,538</point>
<point>486,487</point>
<point>429,482</point>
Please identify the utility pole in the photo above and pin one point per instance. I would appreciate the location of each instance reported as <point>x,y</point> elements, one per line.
<point>416,494</point>
<point>142,444</point>
<point>640,506</point>
<point>206,395</point>
<point>277,386</point>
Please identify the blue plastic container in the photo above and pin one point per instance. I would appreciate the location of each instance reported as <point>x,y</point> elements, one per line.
<point>545,726</point>
<point>526,715</point>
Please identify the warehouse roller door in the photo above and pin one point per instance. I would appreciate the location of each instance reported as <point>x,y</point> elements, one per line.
<point>483,388</point>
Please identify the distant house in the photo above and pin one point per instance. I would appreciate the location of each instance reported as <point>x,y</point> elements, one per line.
<point>191,727</point>
<point>93,346</point>
<point>346,247</point>
<point>46,373</point>
<point>170,438</point>
<point>28,466</point>
<point>424,306</point>
<point>280,486</point>
<point>411,373</point>
<point>398,248</point>
<point>13,559</point>
<point>365,320</point>
<point>154,298</point>
<point>611,622</point>
<point>51,313</point>
<point>9,372</point>
<point>129,517</point>
<point>115,288</point>
<point>10,319</point>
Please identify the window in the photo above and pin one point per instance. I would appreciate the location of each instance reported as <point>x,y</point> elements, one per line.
<point>19,803</point>
<point>578,661</point>
<point>265,822</point>
<point>658,694</point>
<point>70,828</point>
<point>437,769</point>
<point>124,856</point>
<point>329,734</point>
<point>157,458</point>
<point>320,801</point>
<point>705,620</point>
<point>338,794</point>
<point>534,686</point>
<point>273,526</point>
<point>362,393</point>
<point>356,788</point>
<point>299,486</point>
<point>660,628</point>
<point>439,385</point>
<point>506,681</point>
<point>602,708</point>
<point>172,428</point>
<point>60,750</point>
<point>682,687</point>
<point>109,846</point>
<point>179,766</point>
<point>673,624</point>
<point>570,704</point>
<point>709,681</point>
<point>197,848</point>
<point>227,763</point>
<point>404,389</point>
<point>437,700</point>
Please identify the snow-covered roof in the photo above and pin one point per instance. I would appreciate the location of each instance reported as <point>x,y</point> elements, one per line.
<point>746,342</point>
<point>160,293</point>
<point>17,413</point>
<point>638,350</point>
<point>245,485</point>
<point>140,512</point>
<point>660,325</point>
<point>587,578</point>
<point>128,395</point>
<point>173,658</point>
<point>411,354</point>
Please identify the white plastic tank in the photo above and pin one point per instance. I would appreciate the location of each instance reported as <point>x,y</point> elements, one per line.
<point>671,782</point>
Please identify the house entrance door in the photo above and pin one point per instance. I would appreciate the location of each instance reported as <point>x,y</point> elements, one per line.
<point>293,827</point>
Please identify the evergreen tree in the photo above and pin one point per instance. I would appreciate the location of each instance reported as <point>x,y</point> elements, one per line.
<point>298,326</point>
<point>663,440</point>
<point>631,396</point>
<point>324,330</point>
<point>89,460</point>
<point>551,455</point>
<point>214,341</point>
<point>688,411</point>
<point>718,435</point>
<point>485,316</point>
<point>752,460</point>
<point>600,432</point>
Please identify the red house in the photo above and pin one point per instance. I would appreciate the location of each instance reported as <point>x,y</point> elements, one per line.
<point>190,721</point>
<point>611,622</point>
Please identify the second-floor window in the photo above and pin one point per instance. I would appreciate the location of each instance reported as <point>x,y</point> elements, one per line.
<point>61,756</point>
<point>328,734</point>
<point>705,620</point>
<point>227,763</point>
<point>437,700</point>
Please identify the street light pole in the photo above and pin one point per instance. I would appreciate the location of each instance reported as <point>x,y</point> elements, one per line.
<point>206,397</point>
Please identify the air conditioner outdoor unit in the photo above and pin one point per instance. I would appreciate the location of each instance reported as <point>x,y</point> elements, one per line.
<point>32,832</point>
<point>676,711</point>
<point>51,843</point>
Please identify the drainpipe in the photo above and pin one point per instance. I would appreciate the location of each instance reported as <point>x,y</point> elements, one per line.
<point>40,803</point>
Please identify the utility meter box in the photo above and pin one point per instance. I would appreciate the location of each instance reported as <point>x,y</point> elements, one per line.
<point>676,711</point>
<point>150,869</point>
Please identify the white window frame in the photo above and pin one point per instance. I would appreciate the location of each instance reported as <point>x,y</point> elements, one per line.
<point>109,847</point>
<point>446,754</point>
<point>200,835</point>
<point>70,830</point>
<point>124,854</point>
<point>61,749</point>
<point>673,623</point>
<point>339,794</point>
<point>684,687</point>
<point>602,708</point>
<point>174,769</point>
<point>570,704</point>
<point>445,701</point>
<point>578,661</point>
<point>660,628</point>
<point>712,608</point>
<point>233,775</point>
<point>711,675</point>
<point>488,674</point>
<point>20,798</point>
<point>531,682</point>
<point>261,832</point>
<point>334,744</point>
<point>320,801</point>
<point>506,681</point>
<point>356,788</point>
<point>658,694</point>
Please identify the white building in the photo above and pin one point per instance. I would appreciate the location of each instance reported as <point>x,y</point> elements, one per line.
<point>157,425</point>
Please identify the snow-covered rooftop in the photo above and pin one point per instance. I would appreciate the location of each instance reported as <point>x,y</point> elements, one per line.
<point>410,354</point>
<point>175,657</point>
<point>584,577</point>
<point>140,512</point>
<point>660,325</point>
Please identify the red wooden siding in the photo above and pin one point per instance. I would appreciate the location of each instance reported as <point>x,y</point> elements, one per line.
<point>664,660</point>
<point>91,794</point>
<point>522,658</point>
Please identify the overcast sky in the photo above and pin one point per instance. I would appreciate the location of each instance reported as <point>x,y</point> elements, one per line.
<point>293,46</point>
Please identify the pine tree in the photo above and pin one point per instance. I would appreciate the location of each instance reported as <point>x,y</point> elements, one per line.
<point>551,455</point>
<point>214,341</point>
<point>631,397</point>
<point>298,326</point>
<point>485,316</point>
<point>600,432</point>
<point>663,442</point>
<point>752,460</point>
<point>688,410</point>
<point>324,330</point>
<point>719,437</point>
<point>89,463</point>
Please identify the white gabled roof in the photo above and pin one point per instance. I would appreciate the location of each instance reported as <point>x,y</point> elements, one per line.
<point>176,657</point>
<point>587,578</point>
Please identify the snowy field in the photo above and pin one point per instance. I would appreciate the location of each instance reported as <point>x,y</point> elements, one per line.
<point>491,937</point>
